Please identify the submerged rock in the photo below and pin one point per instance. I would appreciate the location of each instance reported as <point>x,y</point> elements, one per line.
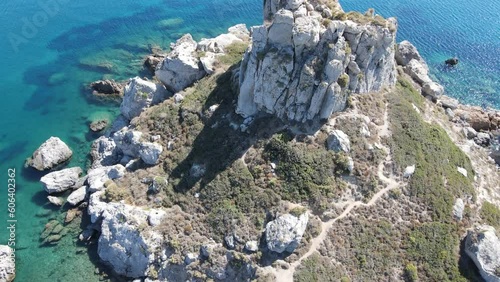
<point>51,153</point>
<point>285,232</point>
<point>7,264</point>
<point>98,125</point>
<point>483,247</point>
<point>62,180</point>
<point>140,94</point>
<point>55,201</point>
<point>106,87</point>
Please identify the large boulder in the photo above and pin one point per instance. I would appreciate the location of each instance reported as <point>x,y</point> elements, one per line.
<point>150,152</point>
<point>405,52</point>
<point>182,66</point>
<point>140,94</point>
<point>106,87</point>
<point>302,65</point>
<point>97,177</point>
<point>128,251</point>
<point>51,153</point>
<point>285,232</point>
<point>338,141</point>
<point>483,247</point>
<point>77,196</point>
<point>152,61</point>
<point>7,264</point>
<point>62,180</point>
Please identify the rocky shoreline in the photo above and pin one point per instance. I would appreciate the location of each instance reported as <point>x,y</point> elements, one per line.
<point>301,69</point>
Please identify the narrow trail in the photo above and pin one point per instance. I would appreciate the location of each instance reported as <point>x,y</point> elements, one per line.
<point>286,275</point>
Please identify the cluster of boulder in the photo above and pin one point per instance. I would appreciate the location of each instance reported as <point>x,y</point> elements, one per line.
<point>321,60</point>
<point>414,65</point>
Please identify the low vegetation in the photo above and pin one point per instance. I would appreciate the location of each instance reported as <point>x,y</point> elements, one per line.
<point>436,181</point>
<point>490,214</point>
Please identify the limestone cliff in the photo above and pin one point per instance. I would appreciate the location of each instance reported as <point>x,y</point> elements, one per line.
<point>306,59</point>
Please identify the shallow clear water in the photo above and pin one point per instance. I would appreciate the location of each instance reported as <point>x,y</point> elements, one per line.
<point>43,83</point>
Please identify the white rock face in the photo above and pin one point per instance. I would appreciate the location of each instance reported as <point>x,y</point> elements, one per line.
<point>407,52</point>
<point>285,232</point>
<point>252,246</point>
<point>104,152</point>
<point>462,171</point>
<point>338,141</point>
<point>299,70</point>
<point>238,33</point>
<point>77,196</point>
<point>483,247</point>
<point>150,152</point>
<point>98,176</point>
<point>181,67</point>
<point>121,246</point>
<point>140,94</point>
<point>62,180</point>
<point>50,154</point>
<point>7,265</point>
<point>458,209</point>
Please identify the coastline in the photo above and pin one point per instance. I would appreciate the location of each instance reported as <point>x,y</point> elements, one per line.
<point>461,119</point>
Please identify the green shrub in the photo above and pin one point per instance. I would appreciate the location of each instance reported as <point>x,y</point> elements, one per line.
<point>114,193</point>
<point>434,248</point>
<point>411,272</point>
<point>234,53</point>
<point>307,173</point>
<point>436,180</point>
<point>317,269</point>
<point>490,214</point>
<point>343,80</point>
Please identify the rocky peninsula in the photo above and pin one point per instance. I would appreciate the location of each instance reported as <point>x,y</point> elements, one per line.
<point>310,148</point>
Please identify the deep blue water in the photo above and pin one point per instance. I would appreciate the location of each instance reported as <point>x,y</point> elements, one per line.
<point>44,70</point>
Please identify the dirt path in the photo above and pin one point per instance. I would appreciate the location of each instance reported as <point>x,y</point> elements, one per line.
<point>286,275</point>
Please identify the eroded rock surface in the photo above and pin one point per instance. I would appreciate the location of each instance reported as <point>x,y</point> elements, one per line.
<point>302,64</point>
<point>140,94</point>
<point>62,180</point>
<point>483,247</point>
<point>285,232</point>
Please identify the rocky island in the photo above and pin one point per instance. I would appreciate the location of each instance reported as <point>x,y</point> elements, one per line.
<point>310,148</point>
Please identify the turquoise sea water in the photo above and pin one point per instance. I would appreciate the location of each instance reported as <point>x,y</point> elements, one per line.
<point>43,80</point>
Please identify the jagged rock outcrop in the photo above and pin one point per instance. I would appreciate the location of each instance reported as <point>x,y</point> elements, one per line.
<point>182,66</point>
<point>303,63</point>
<point>129,252</point>
<point>7,265</point>
<point>104,152</point>
<point>482,245</point>
<point>56,201</point>
<point>414,65</point>
<point>51,153</point>
<point>140,94</point>
<point>97,177</point>
<point>285,232</point>
<point>62,180</point>
<point>130,144</point>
